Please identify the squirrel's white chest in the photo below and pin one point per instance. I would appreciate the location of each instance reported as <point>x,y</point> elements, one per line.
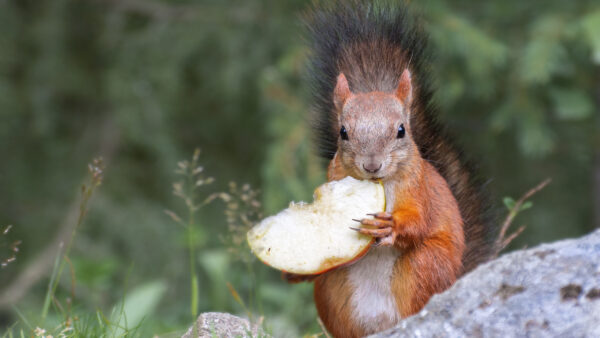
<point>373,303</point>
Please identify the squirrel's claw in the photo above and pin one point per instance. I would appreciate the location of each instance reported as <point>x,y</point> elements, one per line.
<point>382,215</point>
<point>377,233</point>
<point>378,223</point>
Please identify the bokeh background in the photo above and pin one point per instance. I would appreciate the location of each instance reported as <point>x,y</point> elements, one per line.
<point>143,83</point>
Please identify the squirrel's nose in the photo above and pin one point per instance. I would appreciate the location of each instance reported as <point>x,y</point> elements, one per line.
<point>371,167</point>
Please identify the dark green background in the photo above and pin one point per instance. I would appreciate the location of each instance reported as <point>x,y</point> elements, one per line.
<point>143,83</point>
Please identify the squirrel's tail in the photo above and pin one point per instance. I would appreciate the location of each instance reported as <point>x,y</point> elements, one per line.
<point>372,42</point>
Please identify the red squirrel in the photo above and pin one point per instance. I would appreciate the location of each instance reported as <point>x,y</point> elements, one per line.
<point>375,121</point>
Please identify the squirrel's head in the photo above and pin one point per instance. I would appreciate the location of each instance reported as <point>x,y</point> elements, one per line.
<point>374,140</point>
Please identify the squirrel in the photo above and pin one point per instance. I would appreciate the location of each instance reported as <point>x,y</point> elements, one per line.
<point>375,121</point>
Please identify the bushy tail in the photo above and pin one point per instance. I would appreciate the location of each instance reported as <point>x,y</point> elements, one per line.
<point>372,42</point>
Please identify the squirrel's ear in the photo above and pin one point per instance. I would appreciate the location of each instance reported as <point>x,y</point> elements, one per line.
<point>341,92</point>
<point>404,90</point>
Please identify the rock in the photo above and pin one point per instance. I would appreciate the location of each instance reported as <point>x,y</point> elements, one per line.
<point>552,290</point>
<point>223,325</point>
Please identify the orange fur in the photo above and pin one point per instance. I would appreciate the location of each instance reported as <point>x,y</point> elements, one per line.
<point>334,308</point>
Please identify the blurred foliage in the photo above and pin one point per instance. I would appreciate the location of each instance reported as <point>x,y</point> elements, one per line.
<point>144,82</point>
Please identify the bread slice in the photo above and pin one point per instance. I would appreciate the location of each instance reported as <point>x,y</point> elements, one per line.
<point>313,238</point>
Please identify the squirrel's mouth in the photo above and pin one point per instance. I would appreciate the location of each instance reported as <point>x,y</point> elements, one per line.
<point>362,176</point>
<point>374,177</point>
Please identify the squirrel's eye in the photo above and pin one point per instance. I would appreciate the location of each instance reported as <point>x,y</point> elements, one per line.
<point>344,134</point>
<point>401,131</point>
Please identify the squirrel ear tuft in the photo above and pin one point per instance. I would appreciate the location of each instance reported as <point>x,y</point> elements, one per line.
<point>341,92</point>
<point>404,90</point>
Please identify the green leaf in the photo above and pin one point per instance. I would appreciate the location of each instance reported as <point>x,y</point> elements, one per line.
<point>526,205</point>
<point>571,104</point>
<point>138,304</point>
<point>509,202</point>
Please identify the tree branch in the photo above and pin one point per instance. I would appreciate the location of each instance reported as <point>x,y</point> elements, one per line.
<point>502,241</point>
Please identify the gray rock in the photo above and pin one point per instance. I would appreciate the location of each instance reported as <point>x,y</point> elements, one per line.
<point>223,325</point>
<point>552,290</point>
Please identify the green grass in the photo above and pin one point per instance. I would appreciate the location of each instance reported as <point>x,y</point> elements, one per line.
<point>62,315</point>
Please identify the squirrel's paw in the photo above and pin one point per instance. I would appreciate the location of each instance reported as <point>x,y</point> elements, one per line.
<point>381,227</point>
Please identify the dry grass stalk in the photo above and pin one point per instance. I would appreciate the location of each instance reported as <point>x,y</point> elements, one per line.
<point>503,240</point>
